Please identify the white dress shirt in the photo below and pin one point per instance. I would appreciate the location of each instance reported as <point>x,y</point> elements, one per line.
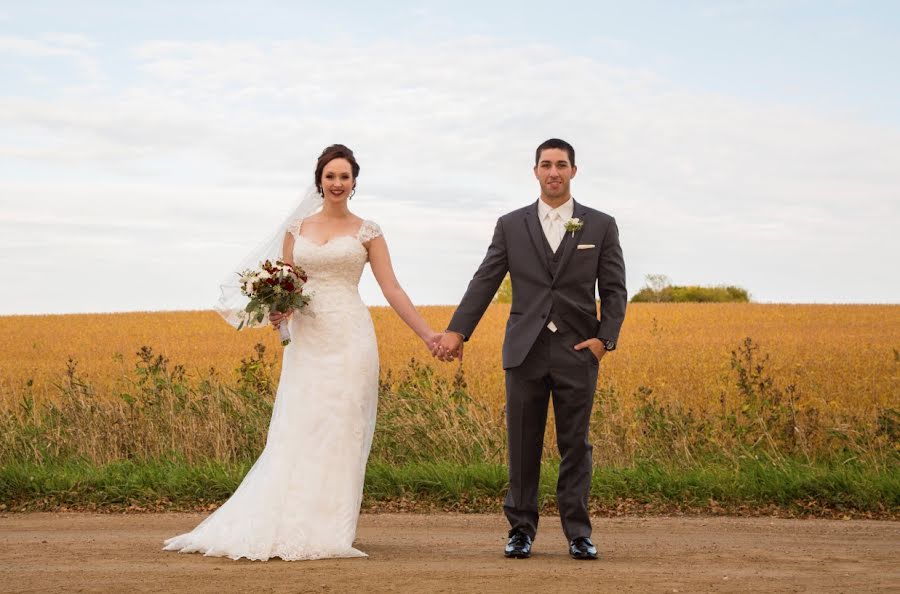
<point>554,219</point>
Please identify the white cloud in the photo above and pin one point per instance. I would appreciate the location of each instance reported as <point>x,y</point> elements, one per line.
<point>71,47</point>
<point>446,134</point>
<point>71,40</point>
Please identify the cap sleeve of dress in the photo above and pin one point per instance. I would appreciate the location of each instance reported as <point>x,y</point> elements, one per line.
<point>368,231</point>
<point>294,228</point>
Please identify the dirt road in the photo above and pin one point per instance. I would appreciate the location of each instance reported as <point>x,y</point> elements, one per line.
<point>73,552</point>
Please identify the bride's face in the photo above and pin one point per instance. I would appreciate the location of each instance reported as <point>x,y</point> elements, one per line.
<point>337,180</point>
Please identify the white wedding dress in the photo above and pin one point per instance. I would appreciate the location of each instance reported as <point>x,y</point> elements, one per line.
<point>301,498</point>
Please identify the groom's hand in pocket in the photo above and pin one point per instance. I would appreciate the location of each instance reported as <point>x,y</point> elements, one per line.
<point>595,345</point>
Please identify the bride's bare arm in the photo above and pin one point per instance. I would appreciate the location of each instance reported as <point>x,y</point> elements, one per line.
<point>380,261</point>
<point>287,250</point>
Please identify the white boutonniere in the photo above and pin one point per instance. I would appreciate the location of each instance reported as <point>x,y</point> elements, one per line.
<point>574,225</point>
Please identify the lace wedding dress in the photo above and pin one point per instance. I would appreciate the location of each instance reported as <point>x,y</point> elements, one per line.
<point>301,498</point>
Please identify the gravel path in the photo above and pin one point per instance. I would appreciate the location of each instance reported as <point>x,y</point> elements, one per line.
<point>76,552</point>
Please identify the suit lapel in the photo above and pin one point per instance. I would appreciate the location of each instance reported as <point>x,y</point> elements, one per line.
<point>536,232</point>
<point>568,247</point>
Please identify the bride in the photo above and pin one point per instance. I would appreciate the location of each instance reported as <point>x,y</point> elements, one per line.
<point>301,498</point>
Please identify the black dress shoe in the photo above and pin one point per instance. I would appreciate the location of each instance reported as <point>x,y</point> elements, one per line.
<point>518,546</point>
<point>582,548</point>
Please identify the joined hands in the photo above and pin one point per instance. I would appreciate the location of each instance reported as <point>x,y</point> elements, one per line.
<point>445,346</point>
<point>449,347</point>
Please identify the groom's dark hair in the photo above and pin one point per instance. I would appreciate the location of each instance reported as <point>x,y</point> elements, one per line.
<point>555,143</point>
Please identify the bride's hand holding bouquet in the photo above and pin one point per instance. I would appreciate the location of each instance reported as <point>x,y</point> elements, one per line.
<point>275,290</point>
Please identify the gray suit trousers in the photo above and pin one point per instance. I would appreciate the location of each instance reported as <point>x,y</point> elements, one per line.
<point>552,368</point>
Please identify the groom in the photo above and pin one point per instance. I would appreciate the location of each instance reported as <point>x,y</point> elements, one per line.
<point>556,251</point>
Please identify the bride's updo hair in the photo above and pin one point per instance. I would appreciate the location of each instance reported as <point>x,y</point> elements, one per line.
<point>335,151</point>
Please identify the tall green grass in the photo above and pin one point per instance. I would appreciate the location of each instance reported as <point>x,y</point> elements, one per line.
<point>167,439</point>
<point>750,485</point>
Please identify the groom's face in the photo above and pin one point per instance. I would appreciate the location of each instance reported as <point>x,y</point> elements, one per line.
<point>554,172</point>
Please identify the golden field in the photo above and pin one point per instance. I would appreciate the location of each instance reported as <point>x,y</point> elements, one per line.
<point>841,358</point>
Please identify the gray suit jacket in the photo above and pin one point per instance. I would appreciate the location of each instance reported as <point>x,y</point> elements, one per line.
<point>518,247</point>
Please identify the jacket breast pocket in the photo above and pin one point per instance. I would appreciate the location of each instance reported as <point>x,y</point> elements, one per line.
<point>586,258</point>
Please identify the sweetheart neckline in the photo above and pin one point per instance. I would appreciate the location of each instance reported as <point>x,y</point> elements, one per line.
<point>336,237</point>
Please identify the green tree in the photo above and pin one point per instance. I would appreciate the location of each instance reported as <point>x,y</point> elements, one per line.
<point>660,290</point>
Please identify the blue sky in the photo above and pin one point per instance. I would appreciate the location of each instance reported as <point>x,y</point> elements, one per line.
<point>754,143</point>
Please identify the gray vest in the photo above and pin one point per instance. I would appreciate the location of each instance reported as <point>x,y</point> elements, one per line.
<point>553,258</point>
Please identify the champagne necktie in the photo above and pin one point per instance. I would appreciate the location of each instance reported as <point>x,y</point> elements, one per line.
<point>556,231</point>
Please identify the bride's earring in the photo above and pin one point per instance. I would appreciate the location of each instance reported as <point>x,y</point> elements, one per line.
<point>352,193</point>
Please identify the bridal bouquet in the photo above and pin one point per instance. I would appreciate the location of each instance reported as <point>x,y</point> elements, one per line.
<point>271,288</point>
